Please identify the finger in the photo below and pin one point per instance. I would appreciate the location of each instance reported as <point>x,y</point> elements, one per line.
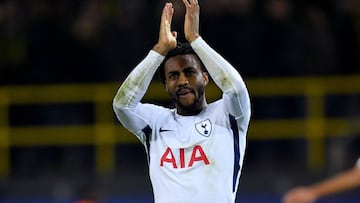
<point>167,9</point>
<point>186,3</point>
<point>164,11</point>
<point>194,2</point>
<point>170,12</point>
<point>167,13</point>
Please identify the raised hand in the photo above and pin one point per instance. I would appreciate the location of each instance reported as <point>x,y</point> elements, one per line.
<point>191,24</point>
<point>167,38</point>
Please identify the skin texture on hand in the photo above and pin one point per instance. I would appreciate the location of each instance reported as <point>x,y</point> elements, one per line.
<point>191,24</point>
<point>167,38</point>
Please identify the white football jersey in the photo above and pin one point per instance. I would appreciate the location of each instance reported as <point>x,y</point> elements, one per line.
<point>358,163</point>
<point>191,158</point>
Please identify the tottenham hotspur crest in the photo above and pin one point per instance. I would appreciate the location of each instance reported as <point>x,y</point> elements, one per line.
<point>204,127</point>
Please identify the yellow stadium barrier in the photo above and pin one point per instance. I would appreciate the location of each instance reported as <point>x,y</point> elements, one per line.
<point>105,133</point>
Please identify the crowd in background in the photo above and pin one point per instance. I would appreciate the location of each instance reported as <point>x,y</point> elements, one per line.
<point>93,41</point>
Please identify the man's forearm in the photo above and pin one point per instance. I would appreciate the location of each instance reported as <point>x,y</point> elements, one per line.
<point>341,182</point>
<point>223,73</point>
<point>134,87</point>
<point>226,77</point>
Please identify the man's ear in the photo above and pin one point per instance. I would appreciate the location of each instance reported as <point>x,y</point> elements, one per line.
<point>205,78</point>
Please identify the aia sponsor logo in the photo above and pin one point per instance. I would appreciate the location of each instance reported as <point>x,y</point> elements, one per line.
<point>197,155</point>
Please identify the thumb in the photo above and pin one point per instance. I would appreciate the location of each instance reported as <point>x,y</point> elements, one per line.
<point>174,33</point>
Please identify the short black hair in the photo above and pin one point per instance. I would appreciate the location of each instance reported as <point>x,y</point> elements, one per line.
<point>180,49</point>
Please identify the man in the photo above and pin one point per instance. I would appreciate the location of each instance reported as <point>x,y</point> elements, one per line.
<point>343,181</point>
<point>195,151</point>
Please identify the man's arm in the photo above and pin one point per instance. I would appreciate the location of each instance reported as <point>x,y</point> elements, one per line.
<point>346,180</point>
<point>225,76</point>
<point>126,102</point>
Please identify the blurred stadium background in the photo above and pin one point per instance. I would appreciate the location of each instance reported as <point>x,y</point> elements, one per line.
<point>62,61</point>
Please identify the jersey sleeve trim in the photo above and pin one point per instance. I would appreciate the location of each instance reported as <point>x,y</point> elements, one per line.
<point>147,132</point>
<point>235,131</point>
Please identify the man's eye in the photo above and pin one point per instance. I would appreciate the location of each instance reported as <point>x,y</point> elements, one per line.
<point>189,73</point>
<point>172,76</point>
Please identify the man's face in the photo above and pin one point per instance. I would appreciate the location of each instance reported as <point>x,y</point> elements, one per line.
<point>185,82</point>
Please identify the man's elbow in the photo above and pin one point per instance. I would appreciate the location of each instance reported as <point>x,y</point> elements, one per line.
<point>118,105</point>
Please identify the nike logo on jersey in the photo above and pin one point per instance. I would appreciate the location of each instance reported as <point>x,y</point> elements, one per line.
<point>164,130</point>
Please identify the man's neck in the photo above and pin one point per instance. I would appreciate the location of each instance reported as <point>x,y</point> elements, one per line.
<point>191,110</point>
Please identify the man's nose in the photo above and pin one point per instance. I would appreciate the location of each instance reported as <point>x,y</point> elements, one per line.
<point>183,80</point>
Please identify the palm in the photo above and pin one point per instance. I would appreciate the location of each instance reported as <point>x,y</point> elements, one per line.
<point>167,38</point>
<point>191,25</point>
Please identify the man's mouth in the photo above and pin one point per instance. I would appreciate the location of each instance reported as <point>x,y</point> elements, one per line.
<point>183,91</point>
